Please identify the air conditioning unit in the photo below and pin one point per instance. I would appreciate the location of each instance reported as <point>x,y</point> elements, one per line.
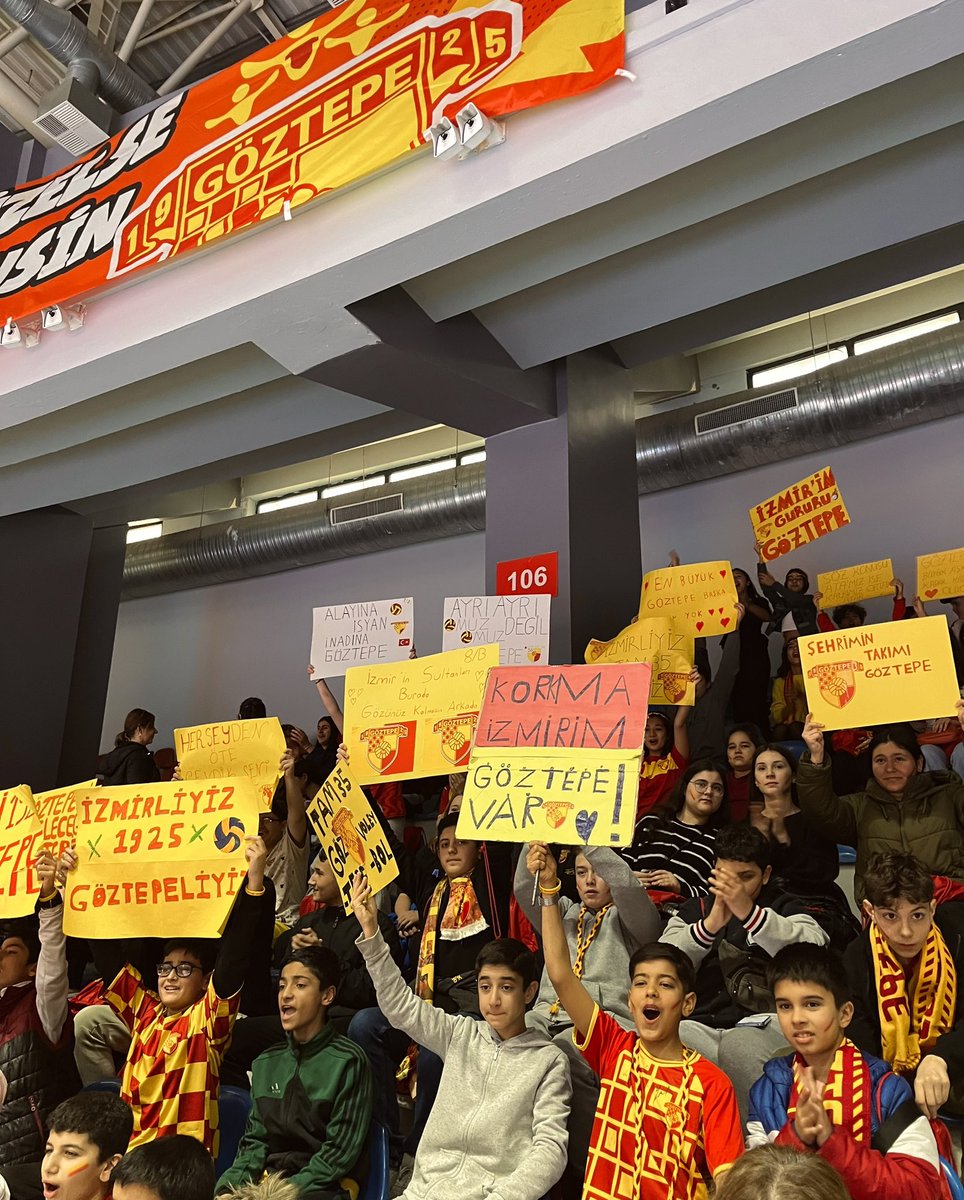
<point>74,117</point>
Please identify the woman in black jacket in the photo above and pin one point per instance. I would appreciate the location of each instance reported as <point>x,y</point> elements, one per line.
<point>130,761</point>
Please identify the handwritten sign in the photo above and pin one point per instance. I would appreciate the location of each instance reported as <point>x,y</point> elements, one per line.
<point>557,755</point>
<point>850,584</point>
<point>351,834</point>
<point>415,718</point>
<point>230,749</point>
<point>799,515</point>
<point>669,651</point>
<point>940,576</point>
<point>159,859</point>
<point>520,625</point>
<point>700,598</point>
<point>21,831</point>
<point>878,674</point>
<point>350,635</point>
<point>58,812</point>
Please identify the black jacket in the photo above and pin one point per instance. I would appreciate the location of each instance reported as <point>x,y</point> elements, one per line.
<point>864,1029</point>
<point>130,762</point>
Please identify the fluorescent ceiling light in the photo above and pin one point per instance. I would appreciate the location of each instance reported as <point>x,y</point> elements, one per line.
<point>429,468</point>
<point>878,340</point>
<point>799,366</point>
<point>299,498</point>
<point>144,531</point>
<point>474,456</point>
<point>353,485</point>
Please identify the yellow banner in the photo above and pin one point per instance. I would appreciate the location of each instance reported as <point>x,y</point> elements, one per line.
<point>21,832</point>
<point>407,720</point>
<point>700,599</point>
<point>940,576</point>
<point>159,860</point>
<point>58,812</point>
<point>799,515</point>
<point>351,834</point>
<point>668,650</point>
<point>878,674</point>
<point>850,584</point>
<point>230,749</point>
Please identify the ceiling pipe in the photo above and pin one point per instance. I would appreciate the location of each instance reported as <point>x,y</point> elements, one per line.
<point>892,389</point>
<point>72,44</point>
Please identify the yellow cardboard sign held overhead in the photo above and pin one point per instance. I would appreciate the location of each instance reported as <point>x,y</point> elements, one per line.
<point>699,598</point>
<point>58,812</point>
<point>410,719</point>
<point>351,834</point>
<point>848,585</point>
<point>657,641</point>
<point>878,674</point>
<point>941,576</point>
<point>799,515</point>
<point>21,833</point>
<point>230,749</point>
<point>159,860</point>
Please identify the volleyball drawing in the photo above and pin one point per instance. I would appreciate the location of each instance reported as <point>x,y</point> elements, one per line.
<point>228,834</point>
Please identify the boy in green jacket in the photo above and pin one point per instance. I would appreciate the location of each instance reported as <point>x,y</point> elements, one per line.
<point>311,1095</point>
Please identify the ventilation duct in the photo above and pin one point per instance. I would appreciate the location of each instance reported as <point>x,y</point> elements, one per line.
<point>435,506</point>
<point>903,385</point>
<point>86,59</point>
<point>892,389</point>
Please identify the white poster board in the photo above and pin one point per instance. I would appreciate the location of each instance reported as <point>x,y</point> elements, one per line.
<point>520,624</point>
<point>360,634</point>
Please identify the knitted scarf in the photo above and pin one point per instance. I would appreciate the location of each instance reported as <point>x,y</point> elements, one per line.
<point>463,918</point>
<point>847,1096</point>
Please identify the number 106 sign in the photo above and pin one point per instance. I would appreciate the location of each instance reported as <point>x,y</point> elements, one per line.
<point>538,574</point>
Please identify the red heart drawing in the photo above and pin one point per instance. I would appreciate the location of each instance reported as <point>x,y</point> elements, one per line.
<point>711,611</point>
<point>724,621</point>
<point>931,593</point>
<point>699,625</point>
<point>722,574</point>
<point>646,585</point>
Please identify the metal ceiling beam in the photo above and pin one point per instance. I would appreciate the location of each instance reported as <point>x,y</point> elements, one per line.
<point>198,54</point>
<point>136,29</point>
<point>165,30</point>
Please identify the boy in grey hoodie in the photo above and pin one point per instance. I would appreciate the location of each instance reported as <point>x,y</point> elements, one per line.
<point>498,1127</point>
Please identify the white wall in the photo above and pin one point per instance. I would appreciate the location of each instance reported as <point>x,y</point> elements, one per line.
<point>901,491</point>
<point>192,657</point>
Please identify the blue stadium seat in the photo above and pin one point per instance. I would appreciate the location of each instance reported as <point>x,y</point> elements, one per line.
<point>953,1181</point>
<point>376,1185</point>
<point>104,1085</point>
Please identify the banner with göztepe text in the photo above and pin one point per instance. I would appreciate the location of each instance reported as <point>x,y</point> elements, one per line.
<point>338,99</point>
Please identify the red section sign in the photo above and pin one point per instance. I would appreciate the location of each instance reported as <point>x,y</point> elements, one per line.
<point>531,576</point>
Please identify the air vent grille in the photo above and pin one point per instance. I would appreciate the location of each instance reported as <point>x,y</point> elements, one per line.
<point>748,410</point>
<point>365,509</point>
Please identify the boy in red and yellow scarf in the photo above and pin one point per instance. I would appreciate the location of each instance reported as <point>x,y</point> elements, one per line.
<point>829,1098</point>
<point>905,974</point>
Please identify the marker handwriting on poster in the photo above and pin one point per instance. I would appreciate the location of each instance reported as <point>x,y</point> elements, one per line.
<point>350,635</point>
<point>519,624</point>
<point>799,515</point>
<point>159,860</point>
<point>557,755</point>
<point>850,584</point>
<point>657,641</point>
<point>58,812</point>
<point>229,749</point>
<point>350,833</point>
<point>699,598</point>
<point>21,834</point>
<point>940,576</point>
<point>878,674</point>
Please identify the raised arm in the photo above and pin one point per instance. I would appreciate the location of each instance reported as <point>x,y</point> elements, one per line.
<point>51,980</point>
<point>826,811</point>
<point>331,705</point>
<point>681,737</point>
<point>296,800</point>
<point>637,913</point>
<point>574,998</point>
<point>234,954</point>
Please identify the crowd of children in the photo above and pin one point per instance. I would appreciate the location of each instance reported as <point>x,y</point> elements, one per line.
<point>700,1013</point>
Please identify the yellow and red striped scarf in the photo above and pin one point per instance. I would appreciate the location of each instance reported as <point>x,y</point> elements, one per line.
<point>463,918</point>
<point>847,1096</point>
<point>909,1026</point>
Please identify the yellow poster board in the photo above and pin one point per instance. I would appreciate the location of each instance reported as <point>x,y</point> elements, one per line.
<point>411,719</point>
<point>848,585</point>
<point>351,834</point>
<point>940,576</point>
<point>557,755</point>
<point>159,860</point>
<point>878,674</point>
<point>657,641</point>
<point>799,515</point>
<point>21,831</point>
<point>232,749</point>
<point>699,598</point>
<point>58,812</point>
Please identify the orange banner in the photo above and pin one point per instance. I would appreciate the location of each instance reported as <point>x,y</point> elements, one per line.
<point>338,99</point>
